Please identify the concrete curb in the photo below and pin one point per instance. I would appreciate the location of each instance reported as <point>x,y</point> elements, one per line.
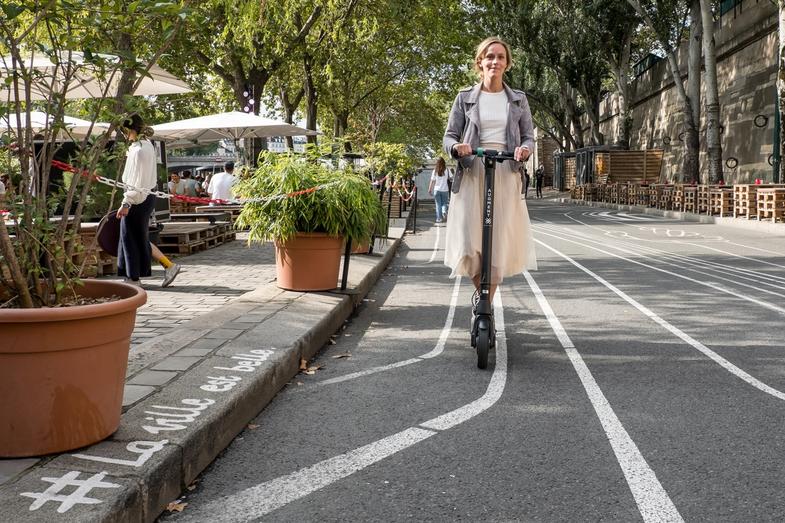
<point>739,223</point>
<point>213,385</point>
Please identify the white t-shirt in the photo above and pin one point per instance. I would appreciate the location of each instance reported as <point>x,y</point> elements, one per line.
<point>440,182</point>
<point>493,117</point>
<point>221,186</point>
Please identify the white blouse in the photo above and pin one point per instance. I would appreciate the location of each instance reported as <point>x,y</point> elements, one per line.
<point>140,171</point>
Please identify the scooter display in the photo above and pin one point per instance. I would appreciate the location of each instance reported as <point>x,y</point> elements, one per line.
<point>483,331</point>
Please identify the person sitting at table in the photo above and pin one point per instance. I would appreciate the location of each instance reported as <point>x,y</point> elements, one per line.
<point>176,185</point>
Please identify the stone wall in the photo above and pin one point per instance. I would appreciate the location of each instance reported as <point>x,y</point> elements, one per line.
<point>746,39</point>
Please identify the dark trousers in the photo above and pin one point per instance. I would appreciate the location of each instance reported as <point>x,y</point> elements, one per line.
<point>538,186</point>
<point>133,254</point>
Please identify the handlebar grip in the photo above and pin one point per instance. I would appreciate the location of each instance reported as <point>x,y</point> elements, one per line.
<point>493,153</point>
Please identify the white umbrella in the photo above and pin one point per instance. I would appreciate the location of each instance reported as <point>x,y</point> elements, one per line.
<point>40,120</point>
<point>83,78</point>
<point>234,125</point>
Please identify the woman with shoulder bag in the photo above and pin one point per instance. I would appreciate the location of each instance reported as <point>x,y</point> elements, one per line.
<point>490,115</point>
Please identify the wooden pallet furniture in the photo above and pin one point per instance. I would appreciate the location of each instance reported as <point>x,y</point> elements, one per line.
<point>97,262</point>
<point>678,197</point>
<point>703,198</point>
<point>690,195</point>
<point>771,204</point>
<point>745,200</point>
<point>665,197</point>
<point>182,207</point>
<point>641,193</point>
<point>233,210</point>
<point>622,194</point>
<point>721,201</point>
<point>185,238</point>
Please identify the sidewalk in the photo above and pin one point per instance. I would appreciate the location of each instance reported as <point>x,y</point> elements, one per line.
<point>208,353</point>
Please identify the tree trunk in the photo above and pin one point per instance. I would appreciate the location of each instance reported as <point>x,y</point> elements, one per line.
<point>713,141</point>
<point>290,106</point>
<point>567,95</point>
<point>692,128</point>
<point>311,97</point>
<point>624,121</point>
<point>592,103</point>
<point>781,95</point>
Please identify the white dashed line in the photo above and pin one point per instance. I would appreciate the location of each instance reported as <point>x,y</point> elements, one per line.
<point>653,502</point>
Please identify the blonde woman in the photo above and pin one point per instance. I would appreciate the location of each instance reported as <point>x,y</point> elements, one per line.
<point>439,189</point>
<point>490,115</point>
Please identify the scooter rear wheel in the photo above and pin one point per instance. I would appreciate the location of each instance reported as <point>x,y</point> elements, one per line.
<point>483,346</point>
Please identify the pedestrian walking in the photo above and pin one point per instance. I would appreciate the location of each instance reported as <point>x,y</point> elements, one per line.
<point>493,116</point>
<point>539,178</point>
<point>526,180</point>
<point>439,189</point>
<point>134,251</point>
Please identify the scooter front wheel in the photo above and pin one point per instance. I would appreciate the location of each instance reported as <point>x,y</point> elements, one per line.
<point>483,345</point>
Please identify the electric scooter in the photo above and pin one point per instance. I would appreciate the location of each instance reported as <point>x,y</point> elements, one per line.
<point>483,331</point>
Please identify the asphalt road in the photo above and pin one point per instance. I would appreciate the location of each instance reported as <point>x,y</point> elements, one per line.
<point>639,375</point>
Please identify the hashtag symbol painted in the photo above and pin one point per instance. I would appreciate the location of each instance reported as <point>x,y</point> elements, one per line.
<point>77,497</point>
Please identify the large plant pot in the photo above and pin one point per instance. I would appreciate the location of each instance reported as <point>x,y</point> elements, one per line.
<point>62,371</point>
<point>308,262</point>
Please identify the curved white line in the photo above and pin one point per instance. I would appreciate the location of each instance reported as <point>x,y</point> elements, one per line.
<point>436,244</point>
<point>706,284</point>
<point>730,367</point>
<point>438,349</point>
<point>653,501</point>
<point>261,499</point>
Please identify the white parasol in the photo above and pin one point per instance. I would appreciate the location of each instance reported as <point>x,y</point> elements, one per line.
<point>83,78</point>
<point>40,120</point>
<point>234,125</point>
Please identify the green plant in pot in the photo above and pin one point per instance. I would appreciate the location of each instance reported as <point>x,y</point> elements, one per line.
<point>307,209</point>
<point>64,340</point>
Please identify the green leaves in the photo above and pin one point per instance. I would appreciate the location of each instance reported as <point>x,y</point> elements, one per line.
<point>11,11</point>
<point>345,203</point>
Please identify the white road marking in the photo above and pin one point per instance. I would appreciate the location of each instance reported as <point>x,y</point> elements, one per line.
<point>730,367</point>
<point>438,349</point>
<point>739,255</point>
<point>653,501</point>
<point>693,262</point>
<point>261,499</point>
<point>436,244</point>
<point>714,286</point>
<point>615,234</point>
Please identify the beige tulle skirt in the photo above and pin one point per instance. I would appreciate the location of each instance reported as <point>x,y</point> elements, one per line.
<point>513,244</point>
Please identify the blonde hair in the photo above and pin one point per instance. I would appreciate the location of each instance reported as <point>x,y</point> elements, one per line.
<point>483,48</point>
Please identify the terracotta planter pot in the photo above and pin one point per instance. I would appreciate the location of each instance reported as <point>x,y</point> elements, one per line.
<point>362,248</point>
<point>62,371</point>
<point>309,262</point>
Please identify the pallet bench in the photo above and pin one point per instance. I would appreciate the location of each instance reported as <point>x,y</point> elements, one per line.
<point>771,204</point>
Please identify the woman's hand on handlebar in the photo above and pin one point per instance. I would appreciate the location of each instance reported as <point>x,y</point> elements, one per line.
<point>462,149</point>
<point>522,154</point>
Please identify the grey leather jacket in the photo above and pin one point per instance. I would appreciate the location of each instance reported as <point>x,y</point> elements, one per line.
<point>463,126</point>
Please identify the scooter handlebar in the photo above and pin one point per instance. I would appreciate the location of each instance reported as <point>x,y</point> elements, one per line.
<point>493,153</point>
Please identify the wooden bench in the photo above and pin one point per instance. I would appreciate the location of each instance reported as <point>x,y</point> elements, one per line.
<point>771,204</point>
